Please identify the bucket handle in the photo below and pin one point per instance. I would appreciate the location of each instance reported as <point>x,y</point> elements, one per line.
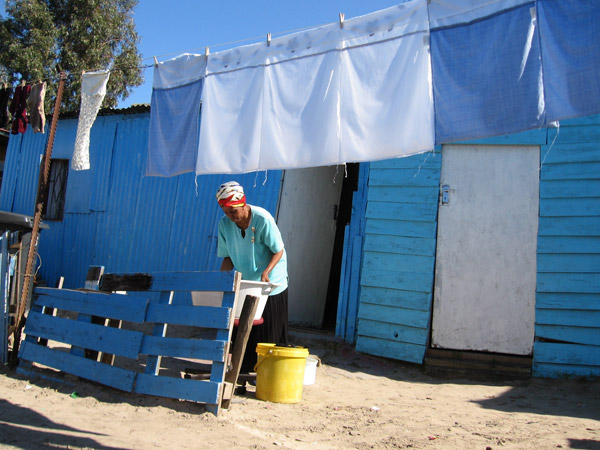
<point>259,362</point>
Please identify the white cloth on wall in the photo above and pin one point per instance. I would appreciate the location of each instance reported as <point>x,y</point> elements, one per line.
<point>93,91</point>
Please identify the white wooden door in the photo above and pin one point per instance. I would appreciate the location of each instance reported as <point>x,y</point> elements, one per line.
<point>485,276</point>
<point>306,217</point>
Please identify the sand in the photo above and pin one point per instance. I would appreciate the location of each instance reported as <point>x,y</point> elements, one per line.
<point>357,402</point>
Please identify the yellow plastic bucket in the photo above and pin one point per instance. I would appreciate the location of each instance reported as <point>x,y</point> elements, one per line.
<point>280,373</point>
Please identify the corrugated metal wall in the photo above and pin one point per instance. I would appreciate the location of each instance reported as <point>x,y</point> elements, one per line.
<point>114,215</point>
<point>399,257</point>
<point>568,283</point>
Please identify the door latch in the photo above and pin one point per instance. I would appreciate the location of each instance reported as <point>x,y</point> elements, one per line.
<point>446,194</point>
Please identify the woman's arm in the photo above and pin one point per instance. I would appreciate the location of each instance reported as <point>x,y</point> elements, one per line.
<point>227,264</point>
<point>274,260</point>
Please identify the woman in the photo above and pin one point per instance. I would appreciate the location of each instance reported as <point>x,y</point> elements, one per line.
<point>250,242</point>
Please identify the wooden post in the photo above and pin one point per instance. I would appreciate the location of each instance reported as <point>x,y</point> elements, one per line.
<point>42,194</point>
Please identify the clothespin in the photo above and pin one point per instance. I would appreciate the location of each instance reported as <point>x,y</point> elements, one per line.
<point>268,39</point>
<point>342,20</point>
<point>206,52</point>
<point>155,62</point>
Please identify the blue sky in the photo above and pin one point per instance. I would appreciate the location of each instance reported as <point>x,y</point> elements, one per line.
<point>167,30</point>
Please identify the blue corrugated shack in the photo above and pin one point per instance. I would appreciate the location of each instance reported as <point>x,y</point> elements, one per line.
<point>482,252</point>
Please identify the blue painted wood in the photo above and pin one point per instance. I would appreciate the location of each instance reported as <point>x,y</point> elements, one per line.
<point>82,334</point>
<point>428,160</point>
<point>574,134</point>
<point>571,317</point>
<point>210,350</point>
<point>570,262</point>
<point>569,226</point>
<point>179,388</point>
<point>131,308</point>
<point>568,188</point>
<point>391,227</point>
<point>354,293</point>
<point>572,354</point>
<point>569,244</point>
<point>528,137</point>
<point>560,300</point>
<point>389,278</point>
<point>396,350</point>
<point>400,245</point>
<point>342,306</point>
<point>398,262</point>
<point>86,368</point>
<point>207,317</point>
<point>420,212</point>
<point>570,207</point>
<point>563,370</point>
<point>393,315</point>
<point>570,171</point>
<point>570,334</point>
<point>219,368</point>
<point>568,282</point>
<point>394,297</point>
<point>404,177</point>
<point>158,330</point>
<point>393,332</point>
<point>570,153</point>
<point>403,194</point>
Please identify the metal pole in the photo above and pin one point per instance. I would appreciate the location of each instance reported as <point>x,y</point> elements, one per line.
<point>42,194</point>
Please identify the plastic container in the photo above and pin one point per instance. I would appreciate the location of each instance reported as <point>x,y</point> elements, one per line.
<point>258,289</point>
<point>310,370</point>
<point>280,373</point>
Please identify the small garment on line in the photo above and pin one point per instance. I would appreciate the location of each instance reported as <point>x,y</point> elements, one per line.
<point>18,109</point>
<point>5,97</point>
<point>93,91</point>
<point>35,106</point>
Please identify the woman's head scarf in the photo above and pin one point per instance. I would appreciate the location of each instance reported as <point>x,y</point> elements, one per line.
<point>231,194</point>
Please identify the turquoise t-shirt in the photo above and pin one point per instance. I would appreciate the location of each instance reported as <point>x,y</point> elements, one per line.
<point>251,254</point>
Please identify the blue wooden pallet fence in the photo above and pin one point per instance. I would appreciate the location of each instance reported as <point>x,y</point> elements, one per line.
<point>141,308</point>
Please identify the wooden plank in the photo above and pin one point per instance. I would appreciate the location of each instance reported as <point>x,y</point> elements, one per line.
<point>574,134</point>
<point>570,171</point>
<point>125,343</point>
<point>420,212</point>
<point>404,194</point>
<point>193,281</point>
<point>568,263</point>
<point>569,188</point>
<point>406,281</point>
<point>557,300</point>
<point>342,306</point>
<point>408,228</point>
<point>239,347</point>
<point>399,262</point>
<point>204,316</point>
<point>393,315</point>
<point>571,153</point>
<point>569,207</point>
<point>179,388</point>
<point>571,354</point>
<point>393,297</point>
<point>131,308</point>
<point>396,350</point>
<point>393,332</point>
<point>404,177</point>
<point>569,317</point>
<point>159,330</point>
<point>585,283</point>
<point>569,226</point>
<point>568,334</point>
<point>353,294</point>
<point>86,368</point>
<point>210,350</point>
<point>400,245</point>
<point>431,159</point>
<point>542,370</point>
<point>568,244</point>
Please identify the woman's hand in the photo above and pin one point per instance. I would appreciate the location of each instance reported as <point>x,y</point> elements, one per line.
<point>265,277</point>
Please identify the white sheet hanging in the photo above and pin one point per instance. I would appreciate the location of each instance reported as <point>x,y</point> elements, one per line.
<point>93,90</point>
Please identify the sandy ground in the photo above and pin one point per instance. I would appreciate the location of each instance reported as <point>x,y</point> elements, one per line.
<point>357,402</point>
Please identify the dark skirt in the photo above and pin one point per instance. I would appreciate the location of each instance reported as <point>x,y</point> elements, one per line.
<point>273,330</point>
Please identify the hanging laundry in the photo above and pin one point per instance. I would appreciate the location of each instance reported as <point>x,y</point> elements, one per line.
<point>35,106</point>
<point>93,91</point>
<point>18,108</point>
<point>5,97</point>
